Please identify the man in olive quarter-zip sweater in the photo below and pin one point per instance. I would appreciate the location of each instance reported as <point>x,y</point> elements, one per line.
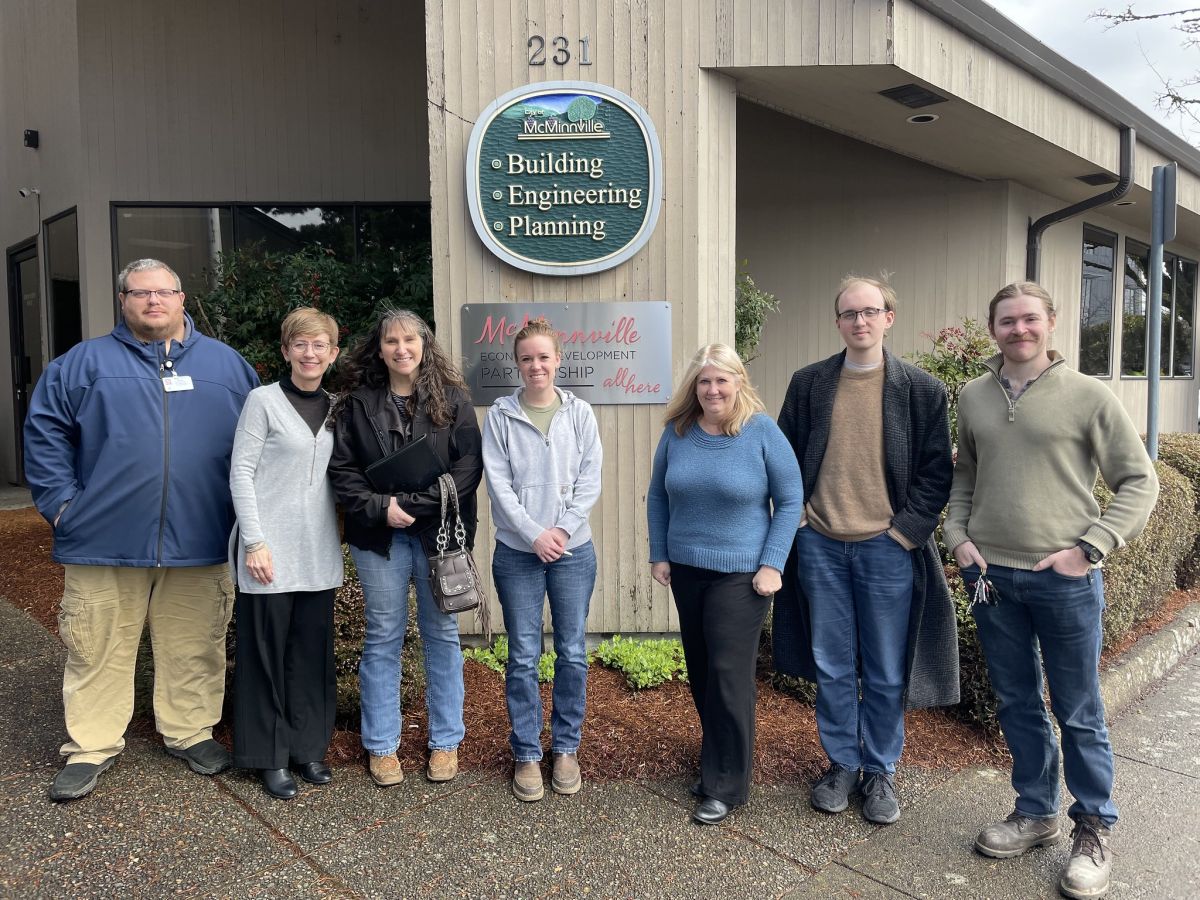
<point>1029,535</point>
<point>127,448</point>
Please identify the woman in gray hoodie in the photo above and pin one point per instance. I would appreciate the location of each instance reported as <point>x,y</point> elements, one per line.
<point>542,456</point>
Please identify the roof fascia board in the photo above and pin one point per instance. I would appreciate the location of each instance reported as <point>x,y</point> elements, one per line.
<point>981,22</point>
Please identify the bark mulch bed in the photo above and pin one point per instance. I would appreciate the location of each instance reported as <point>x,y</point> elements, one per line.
<point>628,734</point>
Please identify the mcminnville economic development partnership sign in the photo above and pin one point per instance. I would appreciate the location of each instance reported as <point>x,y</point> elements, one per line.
<point>564,178</point>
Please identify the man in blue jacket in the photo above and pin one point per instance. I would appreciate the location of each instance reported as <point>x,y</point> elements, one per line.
<point>127,448</point>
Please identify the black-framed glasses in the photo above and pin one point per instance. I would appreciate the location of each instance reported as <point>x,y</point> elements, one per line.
<point>164,294</point>
<point>871,312</point>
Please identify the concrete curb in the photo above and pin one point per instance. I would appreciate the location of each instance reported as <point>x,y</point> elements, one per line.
<point>1147,661</point>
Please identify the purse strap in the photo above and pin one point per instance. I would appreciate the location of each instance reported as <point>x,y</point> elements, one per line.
<point>449,492</point>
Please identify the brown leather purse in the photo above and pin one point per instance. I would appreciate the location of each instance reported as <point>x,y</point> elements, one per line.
<point>452,571</point>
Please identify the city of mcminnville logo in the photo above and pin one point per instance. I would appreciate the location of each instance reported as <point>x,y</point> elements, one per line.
<point>561,179</point>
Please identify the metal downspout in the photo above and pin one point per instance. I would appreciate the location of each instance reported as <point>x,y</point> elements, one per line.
<point>1033,247</point>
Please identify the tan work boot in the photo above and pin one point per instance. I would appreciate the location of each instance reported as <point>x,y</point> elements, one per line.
<point>527,781</point>
<point>385,770</point>
<point>443,765</point>
<point>565,778</point>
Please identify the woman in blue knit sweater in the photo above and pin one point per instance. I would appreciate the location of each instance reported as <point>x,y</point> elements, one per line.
<point>721,466</point>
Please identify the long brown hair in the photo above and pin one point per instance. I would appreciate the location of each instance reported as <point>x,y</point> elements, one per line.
<point>364,368</point>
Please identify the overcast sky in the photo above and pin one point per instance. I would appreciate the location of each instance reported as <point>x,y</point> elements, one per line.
<point>1125,58</point>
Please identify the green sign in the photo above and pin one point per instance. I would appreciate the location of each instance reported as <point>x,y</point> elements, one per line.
<point>564,178</point>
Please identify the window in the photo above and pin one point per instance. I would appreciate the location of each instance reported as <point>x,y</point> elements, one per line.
<point>286,229</point>
<point>1177,314</point>
<point>1096,302</point>
<point>62,274</point>
<point>186,238</point>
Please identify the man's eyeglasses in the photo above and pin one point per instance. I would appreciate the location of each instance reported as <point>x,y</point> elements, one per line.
<point>164,294</point>
<point>871,312</point>
<point>304,346</point>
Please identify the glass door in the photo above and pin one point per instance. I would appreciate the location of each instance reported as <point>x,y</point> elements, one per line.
<point>25,318</point>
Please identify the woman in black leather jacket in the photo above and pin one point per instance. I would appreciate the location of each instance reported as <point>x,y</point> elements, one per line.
<point>399,386</point>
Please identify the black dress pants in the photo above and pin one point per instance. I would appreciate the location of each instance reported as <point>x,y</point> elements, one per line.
<point>284,690</point>
<point>720,621</point>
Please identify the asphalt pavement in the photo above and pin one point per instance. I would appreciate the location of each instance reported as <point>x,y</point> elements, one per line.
<point>152,828</point>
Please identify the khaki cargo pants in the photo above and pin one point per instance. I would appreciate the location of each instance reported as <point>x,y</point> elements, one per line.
<point>100,622</point>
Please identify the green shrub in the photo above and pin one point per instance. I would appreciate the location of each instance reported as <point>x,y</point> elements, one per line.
<point>1138,577</point>
<point>751,306</point>
<point>644,663</point>
<point>1181,451</point>
<point>495,658</point>
<point>958,355</point>
<point>252,291</point>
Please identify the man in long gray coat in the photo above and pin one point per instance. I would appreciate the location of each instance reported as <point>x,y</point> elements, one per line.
<point>872,436</point>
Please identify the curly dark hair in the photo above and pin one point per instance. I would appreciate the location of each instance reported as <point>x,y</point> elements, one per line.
<point>363,367</point>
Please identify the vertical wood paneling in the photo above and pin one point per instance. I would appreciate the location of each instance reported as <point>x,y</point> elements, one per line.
<point>649,49</point>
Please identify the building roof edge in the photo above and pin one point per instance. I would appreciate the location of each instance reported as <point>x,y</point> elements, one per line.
<point>980,21</point>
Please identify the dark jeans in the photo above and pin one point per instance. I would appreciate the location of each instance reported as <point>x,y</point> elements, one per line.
<point>284,693</point>
<point>1061,616</point>
<point>860,597</point>
<point>720,621</point>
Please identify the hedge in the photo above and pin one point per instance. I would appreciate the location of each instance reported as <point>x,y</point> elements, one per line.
<point>1182,452</point>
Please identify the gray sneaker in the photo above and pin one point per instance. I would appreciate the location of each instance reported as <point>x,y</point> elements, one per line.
<point>832,793</point>
<point>1016,834</point>
<point>880,804</point>
<point>76,780</point>
<point>1090,866</point>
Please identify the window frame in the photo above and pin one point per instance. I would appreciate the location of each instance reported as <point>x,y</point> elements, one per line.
<point>1169,259</point>
<point>1117,256</point>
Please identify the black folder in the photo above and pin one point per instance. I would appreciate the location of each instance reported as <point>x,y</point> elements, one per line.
<point>412,468</point>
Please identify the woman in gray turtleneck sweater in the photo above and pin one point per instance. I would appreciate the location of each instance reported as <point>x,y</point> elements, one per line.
<point>288,559</point>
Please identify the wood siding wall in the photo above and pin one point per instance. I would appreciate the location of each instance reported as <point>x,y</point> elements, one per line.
<point>935,52</point>
<point>814,205</point>
<point>948,242</point>
<point>651,51</point>
<point>795,32</point>
<point>39,89</point>
<point>270,101</point>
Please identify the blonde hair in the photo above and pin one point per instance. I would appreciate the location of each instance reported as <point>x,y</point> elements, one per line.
<point>1016,289</point>
<point>306,320</point>
<point>849,281</point>
<point>684,409</point>
<point>535,327</point>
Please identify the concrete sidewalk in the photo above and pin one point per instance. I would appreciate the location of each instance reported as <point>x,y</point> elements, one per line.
<point>154,829</point>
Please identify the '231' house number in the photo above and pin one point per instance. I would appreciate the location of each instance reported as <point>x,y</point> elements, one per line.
<point>562,50</point>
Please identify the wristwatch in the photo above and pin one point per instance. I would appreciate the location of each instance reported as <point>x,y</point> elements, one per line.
<point>1093,554</point>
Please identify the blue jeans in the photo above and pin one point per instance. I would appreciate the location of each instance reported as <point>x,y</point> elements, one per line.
<point>859,595</point>
<point>1061,615</point>
<point>385,591</point>
<point>523,582</point>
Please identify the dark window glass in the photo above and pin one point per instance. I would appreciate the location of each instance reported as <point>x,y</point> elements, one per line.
<point>62,271</point>
<point>1096,302</point>
<point>286,229</point>
<point>1183,343</point>
<point>1135,295</point>
<point>186,238</point>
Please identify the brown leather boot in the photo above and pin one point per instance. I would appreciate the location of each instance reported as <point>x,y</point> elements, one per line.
<point>385,770</point>
<point>443,765</point>
<point>527,781</point>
